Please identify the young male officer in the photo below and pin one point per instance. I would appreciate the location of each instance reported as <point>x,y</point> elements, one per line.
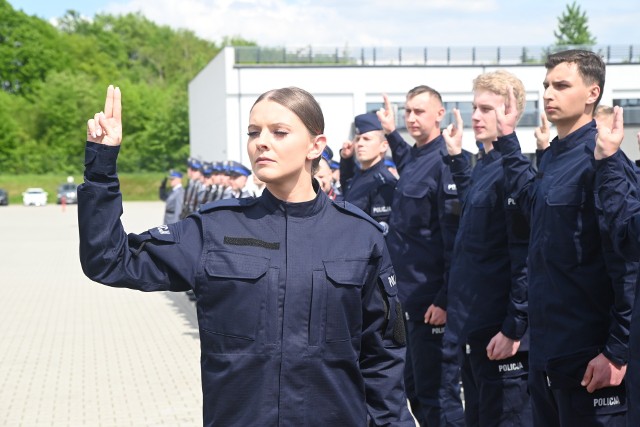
<point>371,186</point>
<point>422,228</point>
<point>238,175</point>
<point>580,290</point>
<point>487,288</point>
<point>620,199</point>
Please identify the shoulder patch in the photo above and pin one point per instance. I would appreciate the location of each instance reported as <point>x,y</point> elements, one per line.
<point>354,210</point>
<point>164,233</point>
<point>228,203</point>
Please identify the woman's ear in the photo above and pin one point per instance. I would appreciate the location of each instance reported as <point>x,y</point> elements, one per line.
<point>316,147</point>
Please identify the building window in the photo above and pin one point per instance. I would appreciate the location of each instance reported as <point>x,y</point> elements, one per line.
<point>631,112</point>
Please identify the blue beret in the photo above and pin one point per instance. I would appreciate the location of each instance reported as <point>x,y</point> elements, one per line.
<point>218,167</point>
<point>194,163</point>
<point>334,165</point>
<point>366,123</point>
<point>175,174</point>
<point>327,154</point>
<point>237,168</point>
<point>207,169</point>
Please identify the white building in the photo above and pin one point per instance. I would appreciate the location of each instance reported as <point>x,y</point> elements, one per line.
<point>346,85</point>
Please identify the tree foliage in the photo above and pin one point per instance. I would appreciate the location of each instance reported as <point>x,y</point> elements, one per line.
<point>573,28</point>
<point>53,78</point>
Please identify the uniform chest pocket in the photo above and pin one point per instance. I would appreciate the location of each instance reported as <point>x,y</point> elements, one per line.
<point>564,221</point>
<point>415,210</point>
<point>232,297</point>
<point>344,283</point>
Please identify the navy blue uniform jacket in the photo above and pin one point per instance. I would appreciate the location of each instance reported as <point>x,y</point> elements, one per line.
<point>580,291</point>
<point>488,278</point>
<point>423,223</point>
<point>294,329</point>
<point>371,190</point>
<point>617,183</point>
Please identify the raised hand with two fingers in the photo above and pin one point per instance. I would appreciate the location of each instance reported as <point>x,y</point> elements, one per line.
<point>453,135</point>
<point>386,116</point>
<point>609,140</point>
<point>507,115</point>
<point>543,133</point>
<point>106,126</point>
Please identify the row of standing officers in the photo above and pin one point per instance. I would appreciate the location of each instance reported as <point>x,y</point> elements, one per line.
<point>507,271</point>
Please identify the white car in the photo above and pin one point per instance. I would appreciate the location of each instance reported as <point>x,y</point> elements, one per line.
<point>35,197</point>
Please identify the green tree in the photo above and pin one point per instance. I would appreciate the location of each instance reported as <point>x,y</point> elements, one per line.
<point>573,28</point>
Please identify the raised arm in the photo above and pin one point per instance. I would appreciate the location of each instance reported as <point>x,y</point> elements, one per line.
<point>400,150</point>
<point>154,260</point>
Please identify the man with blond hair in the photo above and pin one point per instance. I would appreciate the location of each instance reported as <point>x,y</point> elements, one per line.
<point>487,287</point>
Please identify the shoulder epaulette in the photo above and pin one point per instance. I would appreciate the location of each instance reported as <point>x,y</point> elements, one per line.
<point>228,203</point>
<point>354,210</point>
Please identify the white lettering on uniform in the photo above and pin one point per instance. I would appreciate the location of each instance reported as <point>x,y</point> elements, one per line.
<point>381,209</point>
<point>392,280</point>
<point>511,201</point>
<point>451,187</point>
<point>437,331</point>
<point>163,229</point>
<point>606,401</point>
<point>510,367</point>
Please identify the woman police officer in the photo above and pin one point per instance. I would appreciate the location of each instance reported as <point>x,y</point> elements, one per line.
<point>295,328</point>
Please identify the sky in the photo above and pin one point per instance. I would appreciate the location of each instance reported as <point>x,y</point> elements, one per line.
<point>341,23</point>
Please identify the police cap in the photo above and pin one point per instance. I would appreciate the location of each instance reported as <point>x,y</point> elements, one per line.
<point>366,123</point>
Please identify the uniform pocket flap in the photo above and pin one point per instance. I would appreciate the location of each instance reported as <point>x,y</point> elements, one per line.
<point>568,195</point>
<point>236,265</point>
<point>415,191</point>
<point>347,272</point>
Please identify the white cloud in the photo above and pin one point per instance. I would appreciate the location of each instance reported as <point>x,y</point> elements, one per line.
<point>337,23</point>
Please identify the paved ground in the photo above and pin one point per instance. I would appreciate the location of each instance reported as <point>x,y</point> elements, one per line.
<point>76,353</point>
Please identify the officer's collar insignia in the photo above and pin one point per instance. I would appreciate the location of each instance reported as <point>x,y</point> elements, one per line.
<point>249,241</point>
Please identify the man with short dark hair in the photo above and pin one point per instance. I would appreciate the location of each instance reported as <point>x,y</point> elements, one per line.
<point>580,291</point>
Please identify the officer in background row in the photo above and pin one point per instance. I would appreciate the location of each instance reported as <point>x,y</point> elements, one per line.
<point>174,199</point>
<point>238,175</point>
<point>324,175</point>
<point>193,186</point>
<point>371,186</point>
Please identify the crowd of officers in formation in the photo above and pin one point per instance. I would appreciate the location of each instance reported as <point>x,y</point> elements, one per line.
<point>515,276</point>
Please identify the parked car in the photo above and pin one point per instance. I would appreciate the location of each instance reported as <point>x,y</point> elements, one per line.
<point>35,197</point>
<point>69,191</point>
<point>4,197</point>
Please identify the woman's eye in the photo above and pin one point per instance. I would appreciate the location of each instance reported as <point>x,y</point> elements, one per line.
<point>281,133</point>
<point>253,134</point>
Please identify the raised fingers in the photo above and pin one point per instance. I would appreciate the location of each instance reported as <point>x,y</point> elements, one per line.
<point>108,103</point>
<point>117,105</point>
<point>387,104</point>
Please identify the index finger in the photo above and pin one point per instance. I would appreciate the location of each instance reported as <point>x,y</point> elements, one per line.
<point>618,119</point>
<point>459,122</point>
<point>512,99</point>
<point>387,104</point>
<point>108,102</point>
<point>544,123</point>
<point>117,104</point>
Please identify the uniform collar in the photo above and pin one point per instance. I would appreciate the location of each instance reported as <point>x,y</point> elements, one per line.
<point>373,169</point>
<point>582,135</point>
<point>301,209</point>
<point>430,147</point>
<point>491,156</point>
